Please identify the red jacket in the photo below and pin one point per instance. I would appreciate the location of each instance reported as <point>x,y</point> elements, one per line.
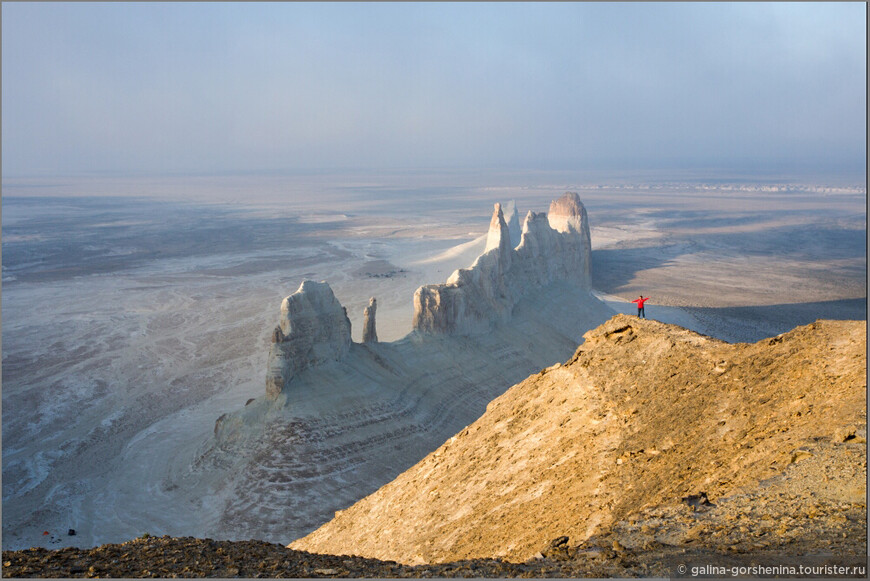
<point>640,302</point>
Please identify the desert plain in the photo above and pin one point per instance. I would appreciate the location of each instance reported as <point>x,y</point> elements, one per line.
<point>135,313</point>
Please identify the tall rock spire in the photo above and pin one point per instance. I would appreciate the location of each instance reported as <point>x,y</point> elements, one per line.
<point>499,236</point>
<point>370,333</point>
<point>568,216</point>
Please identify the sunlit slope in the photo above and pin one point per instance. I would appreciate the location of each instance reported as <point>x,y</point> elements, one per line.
<point>643,415</point>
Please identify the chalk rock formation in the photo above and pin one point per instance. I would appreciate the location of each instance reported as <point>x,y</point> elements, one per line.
<point>370,333</point>
<point>473,298</point>
<point>568,216</point>
<point>313,329</point>
<point>551,248</point>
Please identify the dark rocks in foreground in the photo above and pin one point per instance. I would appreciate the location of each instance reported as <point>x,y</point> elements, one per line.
<point>167,557</point>
<point>192,557</point>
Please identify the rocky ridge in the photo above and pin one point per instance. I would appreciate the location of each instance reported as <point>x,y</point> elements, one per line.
<point>649,437</point>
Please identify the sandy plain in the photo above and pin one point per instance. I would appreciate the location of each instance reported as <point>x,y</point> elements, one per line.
<point>131,323</point>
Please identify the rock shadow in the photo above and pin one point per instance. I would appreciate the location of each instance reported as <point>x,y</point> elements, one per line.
<point>748,324</point>
<point>613,268</point>
<point>843,249</point>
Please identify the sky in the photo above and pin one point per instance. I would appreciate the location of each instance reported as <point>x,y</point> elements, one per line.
<point>200,88</point>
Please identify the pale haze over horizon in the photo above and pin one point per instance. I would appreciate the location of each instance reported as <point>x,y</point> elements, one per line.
<point>173,88</point>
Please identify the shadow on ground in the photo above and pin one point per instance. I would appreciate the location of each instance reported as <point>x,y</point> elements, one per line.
<point>754,323</point>
<point>614,268</point>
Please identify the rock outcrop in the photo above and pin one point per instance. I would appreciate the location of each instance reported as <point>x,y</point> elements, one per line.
<point>649,434</point>
<point>370,332</point>
<point>313,329</point>
<point>554,247</point>
<point>568,216</point>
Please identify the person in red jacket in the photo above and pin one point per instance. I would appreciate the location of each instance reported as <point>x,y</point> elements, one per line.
<point>640,301</point>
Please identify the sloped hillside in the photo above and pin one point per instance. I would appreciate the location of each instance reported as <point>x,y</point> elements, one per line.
<point>612,442</point>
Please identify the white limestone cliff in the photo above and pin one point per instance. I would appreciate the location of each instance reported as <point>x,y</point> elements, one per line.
<point>552,247</point>
<point>568,216</point>
<point>313,329</point>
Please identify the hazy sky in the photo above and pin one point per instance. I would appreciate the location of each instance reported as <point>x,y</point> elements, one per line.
<point>196,87</point>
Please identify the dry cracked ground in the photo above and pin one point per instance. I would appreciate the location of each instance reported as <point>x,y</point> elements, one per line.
<point>654,451</point>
